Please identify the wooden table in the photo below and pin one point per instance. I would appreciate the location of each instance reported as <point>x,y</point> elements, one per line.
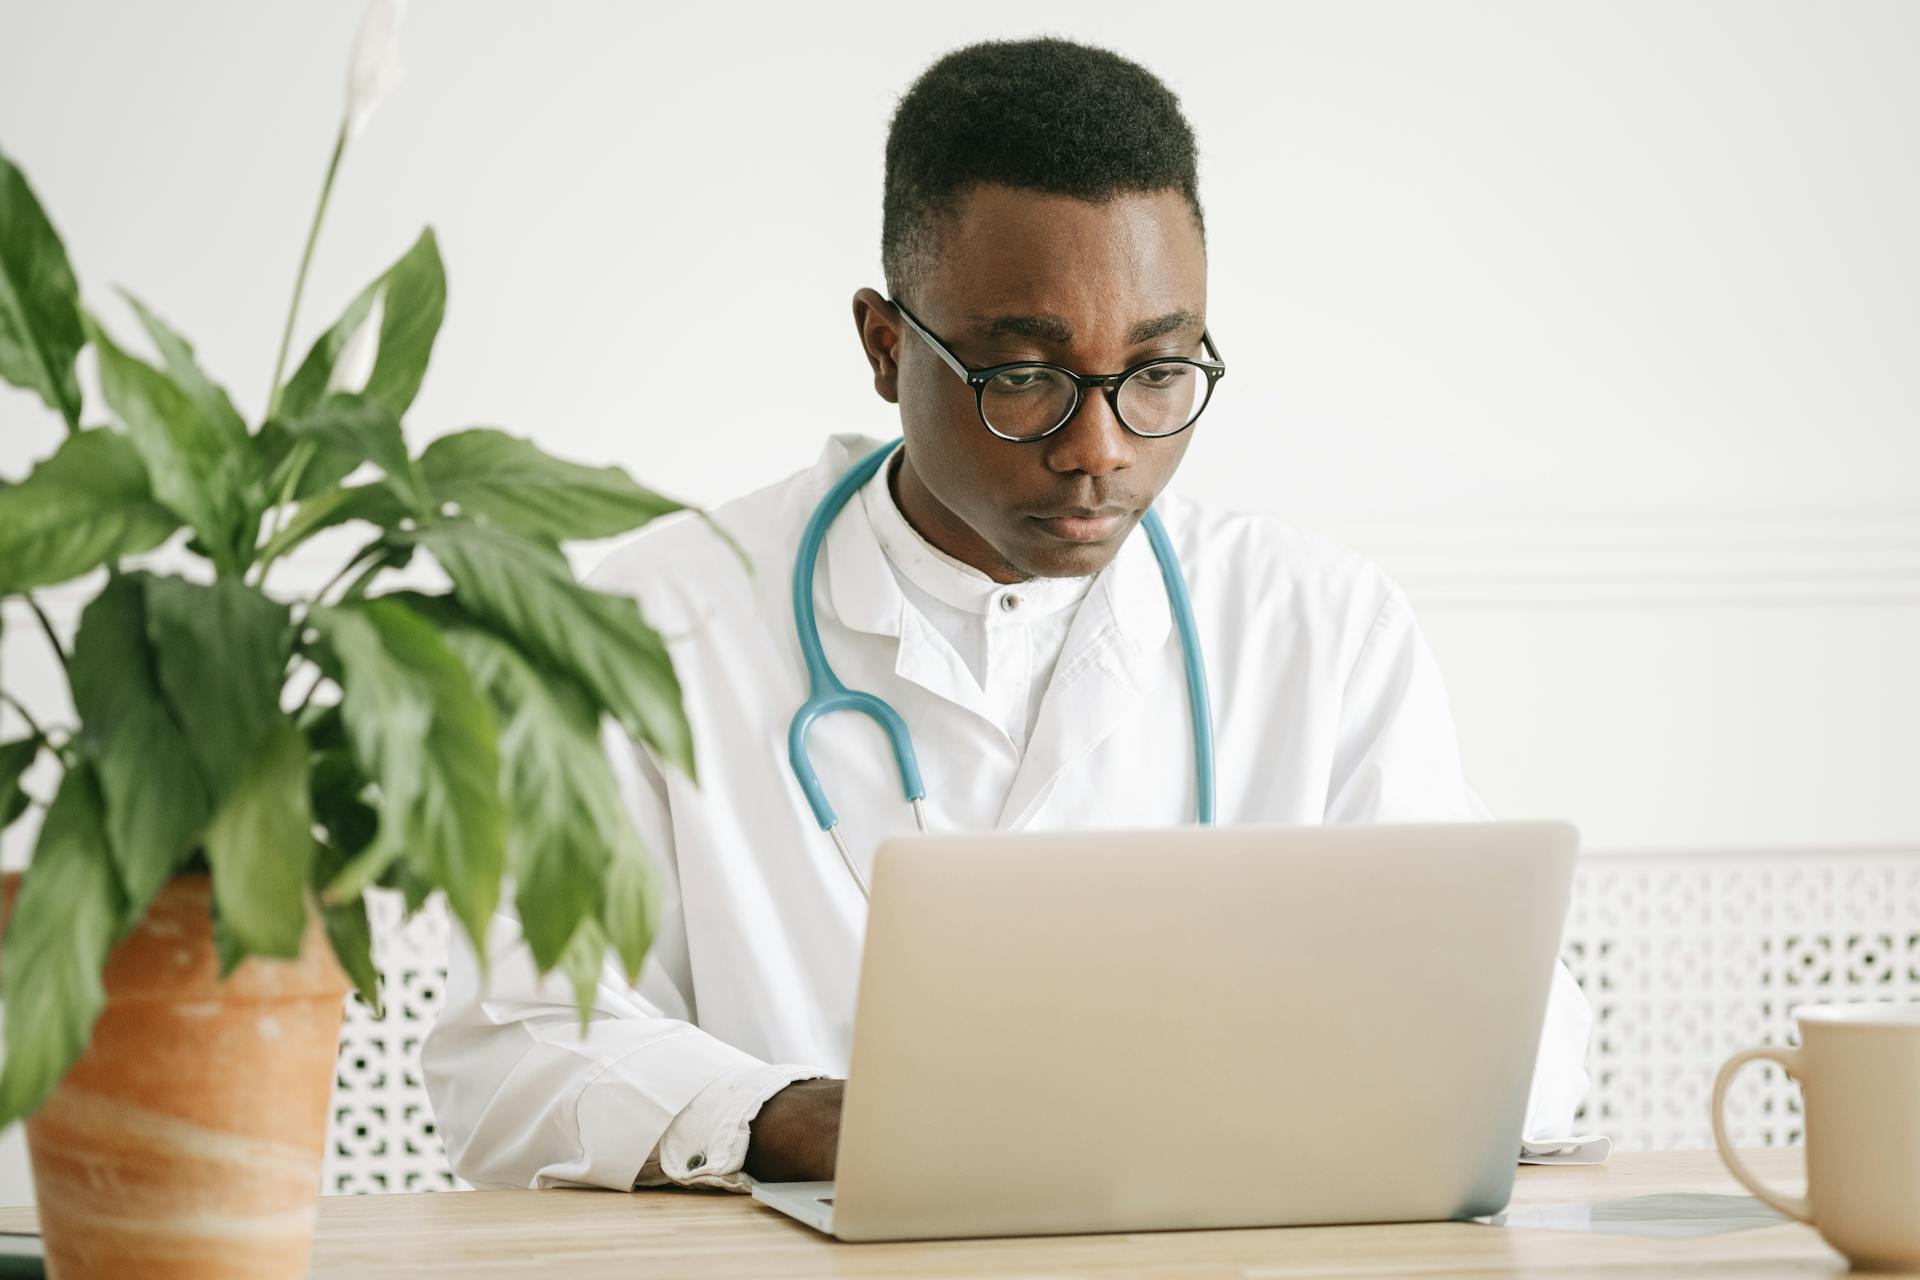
<point>581,1235</point>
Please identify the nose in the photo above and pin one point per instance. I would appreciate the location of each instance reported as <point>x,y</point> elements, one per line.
<point>1093,440</point>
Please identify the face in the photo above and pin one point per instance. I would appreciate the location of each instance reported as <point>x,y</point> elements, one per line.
<point>1021,275</point>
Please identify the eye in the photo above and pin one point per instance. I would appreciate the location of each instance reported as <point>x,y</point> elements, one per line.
<point>1016,380</point>
<point>1162,377</point>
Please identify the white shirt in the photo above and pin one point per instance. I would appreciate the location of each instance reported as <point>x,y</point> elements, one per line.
<point>1008,636</point>
<point>1328,707</point>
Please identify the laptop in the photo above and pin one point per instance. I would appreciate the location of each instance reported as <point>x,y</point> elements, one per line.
<point>1101,1031</point>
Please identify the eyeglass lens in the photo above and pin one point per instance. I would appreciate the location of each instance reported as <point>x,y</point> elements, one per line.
<point>1155,400</point>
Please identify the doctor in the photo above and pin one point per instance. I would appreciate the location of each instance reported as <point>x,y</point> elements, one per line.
<point>993,584</point>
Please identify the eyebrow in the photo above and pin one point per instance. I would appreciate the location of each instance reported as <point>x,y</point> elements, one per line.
<point>1051,328</point>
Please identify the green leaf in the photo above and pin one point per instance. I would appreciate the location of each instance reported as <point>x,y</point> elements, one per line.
<point>87,504</point>
<point>260,845</point>
<point>228,951</point>
<point>413,296</point>
<point>198,469</point>
<point>351,825</point>
<point>422,731</point>
<point>343,796</point>
<point>212,402</point>
<point>522,590</point>
<point>282,464</point>
<point>586,951</point>
<point>344,431</point>
<point>416,301</point>
<point>220,651</point>
<point>40,329</point>
<point>509,481</point>
<point>562,805</point>
<point>630,899</point>
<point>349,931</point>
<point>155,799</point>
<point>15,759</point>
<point>340,792</point>
<point>571,846</point>
<point>585,955</point>
<point>414,890</point>
<point>63,926</point>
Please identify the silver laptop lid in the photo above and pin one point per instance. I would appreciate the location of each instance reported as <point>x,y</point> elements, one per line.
<point>1102,1031</point>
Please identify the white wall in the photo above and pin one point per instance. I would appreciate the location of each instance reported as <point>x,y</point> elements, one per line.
<point>1596,322</point>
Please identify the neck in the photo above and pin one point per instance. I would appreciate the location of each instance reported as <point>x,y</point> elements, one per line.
<point>946,531</point>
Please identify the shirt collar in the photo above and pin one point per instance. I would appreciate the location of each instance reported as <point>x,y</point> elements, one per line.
<point>945,578</point>
<point>866,597</point>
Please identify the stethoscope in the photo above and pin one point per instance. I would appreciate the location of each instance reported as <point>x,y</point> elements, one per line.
<point>826,694</point>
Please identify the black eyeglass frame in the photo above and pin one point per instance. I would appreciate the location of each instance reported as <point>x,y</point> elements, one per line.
<point>978,378</point>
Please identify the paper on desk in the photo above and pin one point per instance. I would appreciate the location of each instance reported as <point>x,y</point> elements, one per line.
<point>1578,1149</point>
<point>1672,1216</point>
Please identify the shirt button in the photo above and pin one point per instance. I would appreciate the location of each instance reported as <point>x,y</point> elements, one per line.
<point>1009,602</point>
<point>696,1160</point>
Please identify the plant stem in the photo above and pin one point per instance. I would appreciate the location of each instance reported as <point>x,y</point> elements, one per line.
<point>360,584</point>
<point>33,726</point>
<point>46,625</point>
<point>303,454</point>
<point>375,549</point>
<point>319,678</point>
<point>306,259</point>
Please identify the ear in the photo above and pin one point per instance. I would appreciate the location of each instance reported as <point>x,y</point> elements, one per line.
<point>880,337</point>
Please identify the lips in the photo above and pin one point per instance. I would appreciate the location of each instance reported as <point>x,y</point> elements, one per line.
<point>1084,526</point>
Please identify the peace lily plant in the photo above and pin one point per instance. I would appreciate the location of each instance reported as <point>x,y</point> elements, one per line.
<point>301,748</point>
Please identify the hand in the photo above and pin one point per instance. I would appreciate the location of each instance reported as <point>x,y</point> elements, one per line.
<point>796,1134</point>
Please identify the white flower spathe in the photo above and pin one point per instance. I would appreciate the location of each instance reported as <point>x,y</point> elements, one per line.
<point>375,67</point>
<point>353,367</point>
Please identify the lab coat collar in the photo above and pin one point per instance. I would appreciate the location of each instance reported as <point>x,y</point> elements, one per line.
<point>864,594</point>
<point>867,597</point>
<point>1116,638</point>
<point>1137,594</point>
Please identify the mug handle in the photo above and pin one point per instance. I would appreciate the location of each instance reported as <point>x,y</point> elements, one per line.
<point>1789,1059</point>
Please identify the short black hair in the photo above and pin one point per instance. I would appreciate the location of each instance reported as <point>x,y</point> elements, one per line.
<point>1045,115</point>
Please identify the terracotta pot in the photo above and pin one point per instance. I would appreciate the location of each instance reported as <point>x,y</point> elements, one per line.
<point>187,1141</point>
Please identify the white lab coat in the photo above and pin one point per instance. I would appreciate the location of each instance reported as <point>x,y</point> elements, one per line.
<point>1328,707</point>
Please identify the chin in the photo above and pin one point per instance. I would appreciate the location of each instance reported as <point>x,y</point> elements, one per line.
<point>1069,561</point>
<point>1043,555</point>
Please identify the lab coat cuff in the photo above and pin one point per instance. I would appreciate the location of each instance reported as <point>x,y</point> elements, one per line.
<point>706,1145</point>
<point>628,1104</point>
<point>1560,1079</point>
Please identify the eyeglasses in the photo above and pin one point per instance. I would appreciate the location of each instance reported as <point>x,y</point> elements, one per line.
<point>1031,399</point>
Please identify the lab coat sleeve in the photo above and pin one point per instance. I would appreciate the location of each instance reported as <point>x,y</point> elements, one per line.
<point>1397,759</point>
<point>522,1097</point>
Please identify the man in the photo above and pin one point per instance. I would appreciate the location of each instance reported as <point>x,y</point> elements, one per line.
<point>990,584</point>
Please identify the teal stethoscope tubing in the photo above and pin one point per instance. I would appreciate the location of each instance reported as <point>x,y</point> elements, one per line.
<point>826,694</point>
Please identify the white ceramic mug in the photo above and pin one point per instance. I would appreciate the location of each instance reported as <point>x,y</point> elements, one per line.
<point>1858,1068</point>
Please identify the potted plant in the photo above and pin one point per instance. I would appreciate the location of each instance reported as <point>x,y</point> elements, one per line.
<point>247,762</point>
